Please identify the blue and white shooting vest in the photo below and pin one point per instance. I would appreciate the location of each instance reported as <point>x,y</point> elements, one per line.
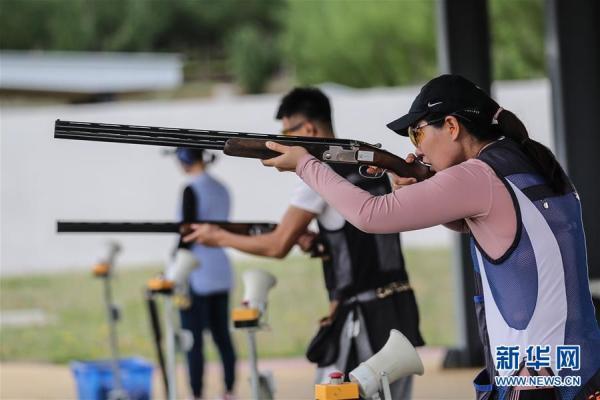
<point>538,292</point>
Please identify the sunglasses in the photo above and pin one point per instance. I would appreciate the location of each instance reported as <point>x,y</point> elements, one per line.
<point>293,128</point>
<point>416,133</point>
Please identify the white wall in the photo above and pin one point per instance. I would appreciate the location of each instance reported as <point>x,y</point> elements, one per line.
<point>44,179</point>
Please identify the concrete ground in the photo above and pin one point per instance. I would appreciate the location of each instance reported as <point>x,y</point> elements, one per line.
<point>293,380</point>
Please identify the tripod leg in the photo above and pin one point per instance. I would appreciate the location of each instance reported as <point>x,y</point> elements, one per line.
<point>157,336</point>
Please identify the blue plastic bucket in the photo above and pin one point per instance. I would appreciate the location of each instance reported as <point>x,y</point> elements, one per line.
<point>95,379</point>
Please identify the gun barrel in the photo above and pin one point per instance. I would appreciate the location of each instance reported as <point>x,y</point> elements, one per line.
<point>243,228</point>
<point>117,227</point>
<point>160,136</point>
<point>138,135</point>
<point>241,144</point>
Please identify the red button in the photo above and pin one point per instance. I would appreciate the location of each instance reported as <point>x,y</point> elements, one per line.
<point>336,375</point>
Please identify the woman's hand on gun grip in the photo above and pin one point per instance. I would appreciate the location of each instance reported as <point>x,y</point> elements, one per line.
<point>289,158</point>
<point>397,181</point>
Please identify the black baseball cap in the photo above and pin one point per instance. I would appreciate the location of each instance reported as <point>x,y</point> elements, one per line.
<point>449,94</point>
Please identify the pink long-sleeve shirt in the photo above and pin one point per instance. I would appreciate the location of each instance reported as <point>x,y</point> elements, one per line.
<point>465,197</point>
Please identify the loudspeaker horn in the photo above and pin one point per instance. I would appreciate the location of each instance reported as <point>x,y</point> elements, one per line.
<point>182,265</point>
<point>398,358</point>
<point>257,284</point>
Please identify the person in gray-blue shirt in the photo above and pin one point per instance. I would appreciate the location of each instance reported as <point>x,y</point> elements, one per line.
<point>205,198</point>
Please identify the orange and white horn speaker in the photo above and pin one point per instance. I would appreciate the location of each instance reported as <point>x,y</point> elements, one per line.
<point>257,284</point>
<point>181,267</point>
<point>398,358</point>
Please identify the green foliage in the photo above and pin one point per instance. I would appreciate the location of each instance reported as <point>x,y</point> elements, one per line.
<point>253,58</point>
<point>517,29</point>
<point>43,25</point>
<point>132,25</point>
<point>361,43</point>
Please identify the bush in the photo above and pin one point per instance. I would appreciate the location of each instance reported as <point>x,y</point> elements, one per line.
<point>253,58</point>
<point>518,50</point>
<point>365,43</point>
<point>361,43</point>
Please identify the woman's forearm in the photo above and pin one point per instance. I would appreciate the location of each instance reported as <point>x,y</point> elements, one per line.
<point>438,200</point>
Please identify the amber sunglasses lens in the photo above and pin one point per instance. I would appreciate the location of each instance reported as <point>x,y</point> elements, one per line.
<point>412,134</point>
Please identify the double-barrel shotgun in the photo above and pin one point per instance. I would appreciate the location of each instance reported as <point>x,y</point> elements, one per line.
<point>242,144</point>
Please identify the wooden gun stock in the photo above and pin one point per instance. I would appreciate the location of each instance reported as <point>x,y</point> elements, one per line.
<point>398,166</point>
<point>360,155</point>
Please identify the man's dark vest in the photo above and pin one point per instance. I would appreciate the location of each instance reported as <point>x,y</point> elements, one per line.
<point>360,261</point>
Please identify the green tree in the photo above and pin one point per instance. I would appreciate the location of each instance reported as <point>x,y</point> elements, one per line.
<point>51,24</point>
<point>364,43</point>
<point>360,43</point>
<point>253,58</point>
<point>518,50</point>
<point>131,25</point>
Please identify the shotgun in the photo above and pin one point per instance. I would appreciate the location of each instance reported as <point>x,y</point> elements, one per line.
<point>317,250</point>
<point>242,144</point>
<point>240,228</point>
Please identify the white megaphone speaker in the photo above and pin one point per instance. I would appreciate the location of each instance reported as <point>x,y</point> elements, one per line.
<point>181,267</point>
<point>257,284</point>
<point>397,359</point>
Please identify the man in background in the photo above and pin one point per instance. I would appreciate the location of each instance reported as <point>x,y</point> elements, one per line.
<point>364,274</point>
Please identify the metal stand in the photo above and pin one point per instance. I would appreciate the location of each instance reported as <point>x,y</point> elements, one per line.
<point>260,383</point>
<point>251,317</point>
<point>385,388</point>
<point>385,384</point>
<point>172,286</point>
<point>175,338</point>
<point>157,336</point>
<point>253,361</point>
<point>112,312</point>
<point>171,348</point>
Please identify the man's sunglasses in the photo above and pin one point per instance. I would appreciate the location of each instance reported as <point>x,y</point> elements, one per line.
<point>294,128</point>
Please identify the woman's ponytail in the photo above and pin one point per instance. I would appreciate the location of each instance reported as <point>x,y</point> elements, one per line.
<point>543,160</point>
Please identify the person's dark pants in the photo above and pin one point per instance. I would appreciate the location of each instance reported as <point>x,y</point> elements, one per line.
<point>209,312</point>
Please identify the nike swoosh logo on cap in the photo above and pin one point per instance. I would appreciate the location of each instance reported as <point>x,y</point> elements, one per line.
<point>433,104</point>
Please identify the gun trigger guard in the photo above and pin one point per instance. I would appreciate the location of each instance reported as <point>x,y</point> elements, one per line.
<point>362,171</point>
